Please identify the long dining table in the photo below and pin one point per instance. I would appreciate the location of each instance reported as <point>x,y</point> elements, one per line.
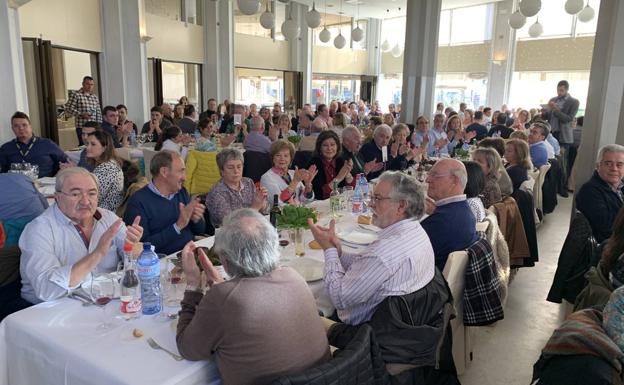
<point>56,342</point>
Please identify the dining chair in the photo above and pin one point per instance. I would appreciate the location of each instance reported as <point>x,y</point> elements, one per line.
<point>455,272</point>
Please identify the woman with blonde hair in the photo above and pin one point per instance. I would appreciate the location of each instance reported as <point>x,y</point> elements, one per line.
<point>490,162</point>
<point>522,121</point>
<point>519,161</point>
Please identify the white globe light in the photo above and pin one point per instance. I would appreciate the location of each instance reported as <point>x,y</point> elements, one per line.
<point>385,46</point>
<point>325,35</point>
<point>530,7</point>
<point>586,14</point>
<point>396,51</point>
<point>517,20</point>
<point>536,30</point>
<point>573,6</point>
<point>313,17</point>
<point>267,20</point>
<point>290,29</point>
<point>357,34</point>
<point>340,41</point>
<point>249,7</point>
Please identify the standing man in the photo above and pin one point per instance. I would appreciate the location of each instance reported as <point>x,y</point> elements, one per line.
<point>84,105</point>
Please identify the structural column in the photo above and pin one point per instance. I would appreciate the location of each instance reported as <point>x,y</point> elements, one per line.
<point>604,114</point>
<point>419,58</point>
<point>124,57</point>
<point>13,96</point>
<point>373,43</point>
<point>218,68</point>
<point>502,55</point>
<point>300,49</point>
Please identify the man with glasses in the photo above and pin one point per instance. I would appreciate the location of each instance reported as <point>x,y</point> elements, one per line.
<point>450,225</point>
<point>600,198</point>
<point>400,262</point>
<point>71,239</point>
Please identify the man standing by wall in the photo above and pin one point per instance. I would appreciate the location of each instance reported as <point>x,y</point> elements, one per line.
<point>84,105</point>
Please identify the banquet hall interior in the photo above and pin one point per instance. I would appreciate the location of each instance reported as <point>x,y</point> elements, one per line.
<point>484,64</point>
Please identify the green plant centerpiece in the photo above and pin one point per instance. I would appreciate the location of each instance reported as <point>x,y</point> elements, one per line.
<point>462,153</point>
<point>295,139</point>
<point>295,217</point>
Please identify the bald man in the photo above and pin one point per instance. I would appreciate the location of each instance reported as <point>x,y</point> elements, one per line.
<point>450,225</point>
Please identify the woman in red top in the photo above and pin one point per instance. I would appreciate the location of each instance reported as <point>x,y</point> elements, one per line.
<point>329,165</point>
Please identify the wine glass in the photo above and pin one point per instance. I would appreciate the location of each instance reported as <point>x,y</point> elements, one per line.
<point>284,240</point>
<point>102,292</point>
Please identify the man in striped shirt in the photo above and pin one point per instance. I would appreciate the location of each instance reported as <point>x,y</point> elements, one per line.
<point>400,262</point>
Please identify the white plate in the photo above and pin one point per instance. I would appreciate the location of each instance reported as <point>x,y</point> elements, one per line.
<point>358,237</point>
<point>47,181</point>
<point>310,269</point>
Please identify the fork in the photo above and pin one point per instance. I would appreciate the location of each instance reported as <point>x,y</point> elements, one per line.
<point>154,345</point>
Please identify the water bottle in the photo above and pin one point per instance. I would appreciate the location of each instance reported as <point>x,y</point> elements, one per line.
<point>357,201</point>
<point>149,277</point>
<point>363,187</point>
<point>133,140</point>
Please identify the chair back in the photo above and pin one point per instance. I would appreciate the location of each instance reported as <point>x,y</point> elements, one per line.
<point>148,155</point>
<point>302,159</point>
<point>256,164</point>
<point>537,188</point>
<point>123,153</point>
<point>134,187</point>
<point>455,274</point>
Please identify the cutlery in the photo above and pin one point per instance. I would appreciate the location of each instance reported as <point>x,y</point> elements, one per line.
<point>154,345</point>
<point>367,229</point>
<point>85,301</point>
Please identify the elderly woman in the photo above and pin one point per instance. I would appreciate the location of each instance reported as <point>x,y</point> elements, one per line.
<point>339,122</point>
<point>259,325</point>
<point>474,187</point>
<point>374,149</point>
<point>400,152</point>
<point>388,119</point>
<point>101,156</point>
<point>504,182</point>
<point>490,163</point>
<point>331,167</point>
<point>290,186</point>
<point>233,191</point>
<point>519,161</point>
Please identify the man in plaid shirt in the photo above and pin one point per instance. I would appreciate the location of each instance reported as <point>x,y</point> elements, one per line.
<point>84,105</point>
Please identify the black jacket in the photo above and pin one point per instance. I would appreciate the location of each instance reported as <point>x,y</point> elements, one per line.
<point>600,204</point>
<point>321,179</point>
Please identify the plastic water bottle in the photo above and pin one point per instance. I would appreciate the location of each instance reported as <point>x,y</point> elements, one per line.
<point>357,202</point>
<point>149,276</point>
<point>364,189</point>
<point>133,140</point>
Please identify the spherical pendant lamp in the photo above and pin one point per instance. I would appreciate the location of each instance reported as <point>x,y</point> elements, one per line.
<point>313,17</point>
<point>517,20</point>
<point>586,14</point>
<point>573,6</point>
<point>340,41</point>
<point>267,19</point>
<point>536,29</point>
<point>325,35</point>
<point>290,29</point>
<point>357,34</point>
<point>385,46</point>
<point>396,51</point>
<point>249,7</point>
<point>530,7</point>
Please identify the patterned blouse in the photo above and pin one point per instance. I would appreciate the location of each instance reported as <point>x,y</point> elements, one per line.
<point>491,192</point>
<point>111,184</point>
<point>222,200</point>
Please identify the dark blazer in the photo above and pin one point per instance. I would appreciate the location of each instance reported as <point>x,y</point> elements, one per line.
<point>321,179</point>
<point>369,152</point>
<point>600,204</point>
<point>187,125</point>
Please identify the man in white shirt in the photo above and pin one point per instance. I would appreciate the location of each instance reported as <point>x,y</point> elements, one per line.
<point>71,239</point>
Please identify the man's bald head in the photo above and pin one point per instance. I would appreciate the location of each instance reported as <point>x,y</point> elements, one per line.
<point>447,178</point>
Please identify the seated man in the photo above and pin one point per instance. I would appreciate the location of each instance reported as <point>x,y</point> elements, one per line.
<point>499,129</point>
<point>28,148</point>
<point>256,140</point>
<point>537,145</point>
<point>478,126</point>
<point>451,225</point>
<point>170,217</point>
<point>351,144</point>
<point>260,325</point>
<point>62,246</point>
<point>395,264</point>
<point>600,198</point>
<point>232,191</point>
<point>156,124</point>
<point>373,150</point>
<point>308,143</point>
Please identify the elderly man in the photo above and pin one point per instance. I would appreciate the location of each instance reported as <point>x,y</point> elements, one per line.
<point>351,143</point>
<point>84,104</point>
<point>308,143</point>
<point>170,217</point>
<point>373,150</point>
<point>322,111</point>
<point>261,324</point>
<point>256,140</point>
<point>395,264</point>
<point>451,225</point>
<point>28,148</point>
<point>537,145</point>
<point>71,239</point>
<point>600,198</point>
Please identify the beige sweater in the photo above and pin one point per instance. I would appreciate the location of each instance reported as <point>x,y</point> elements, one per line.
<point>258,328</point>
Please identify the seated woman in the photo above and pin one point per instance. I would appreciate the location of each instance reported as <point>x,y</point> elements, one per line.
<point>290,186</point>
<point>331,167</point>
<point>339,122</point>
<point>232,191</point>
<point>504,182</point>
<point>172,140</point>
<point>456,135</point>
<point>283,128</point>
<point>474,188</point>
<point>259,325</point>
<point>490,163</point>
<point>106,168</point>
<point>206,139</point>
<point>400,152</point>
<point>518,161</point>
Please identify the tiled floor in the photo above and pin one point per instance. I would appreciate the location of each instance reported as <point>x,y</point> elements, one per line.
<point>505,353</point>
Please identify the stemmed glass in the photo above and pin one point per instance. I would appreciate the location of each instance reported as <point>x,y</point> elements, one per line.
<point>284,240</point>
<point>102,292</point>
<point>150,137</point>
<point>141,138</point>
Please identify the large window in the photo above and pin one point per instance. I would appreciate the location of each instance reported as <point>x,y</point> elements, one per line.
<point>189,11</point>
<point>326,88</point>
<point>262,87</point>
<point>250,25</point>
<point>455,88</point>
<point>393,31</point>
<point>181,79</point>
<point>389,87</point>
<point>558,23</point>
<point>467,25</point>
<point>530,89</point>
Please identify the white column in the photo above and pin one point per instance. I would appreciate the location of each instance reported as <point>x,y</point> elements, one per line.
<point>124,57</point>
<point>604,114</point>
<point>502,55</point>
<point>419,58</point>
<point>300,50</point>
<point>13,96</point>
<point>373,44</point>
<point>218,68</point>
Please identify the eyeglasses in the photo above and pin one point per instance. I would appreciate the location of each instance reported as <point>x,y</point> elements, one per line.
<point>76,195</point>
<point>610,163</point>
<point>374,199</point>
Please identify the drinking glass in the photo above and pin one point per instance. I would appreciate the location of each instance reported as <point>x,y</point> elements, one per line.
<point>284,241</point>
<point>150,137</point>
<point>102,292</point>
<point>348,195</point>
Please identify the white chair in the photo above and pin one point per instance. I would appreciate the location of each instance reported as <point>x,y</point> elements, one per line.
<point>537,188</point>
<point>455,274</point>
<point>482,226</point>
<point>148,155</point>
<point>123,153</point>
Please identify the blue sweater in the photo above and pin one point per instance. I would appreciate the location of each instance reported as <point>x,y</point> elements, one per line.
<point>539,154</point>
<point>451,227</point>
<point>44,153</point>
<point>158,215</point>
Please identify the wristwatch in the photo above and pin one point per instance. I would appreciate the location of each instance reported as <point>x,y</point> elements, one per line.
<point>195,288</point>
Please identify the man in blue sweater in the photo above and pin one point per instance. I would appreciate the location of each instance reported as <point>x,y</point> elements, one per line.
<point>537,145</point>
<point>450,225</point>
<point>169,216</point>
